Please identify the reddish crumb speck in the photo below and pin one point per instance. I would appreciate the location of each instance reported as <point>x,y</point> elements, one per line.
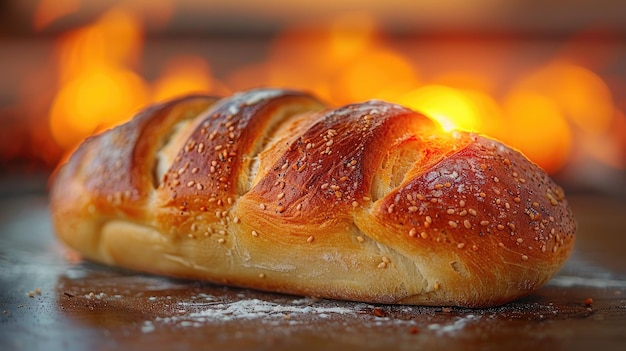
<point>588,301</point>
<point>378,312</point>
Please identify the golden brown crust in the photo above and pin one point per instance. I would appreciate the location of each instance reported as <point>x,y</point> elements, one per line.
<point>269,189</point>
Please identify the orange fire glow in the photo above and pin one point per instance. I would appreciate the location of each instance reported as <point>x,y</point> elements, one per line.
<point>346,61</point>
<point>97,85</point>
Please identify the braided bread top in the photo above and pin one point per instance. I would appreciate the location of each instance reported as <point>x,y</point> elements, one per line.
<point>271,189</point>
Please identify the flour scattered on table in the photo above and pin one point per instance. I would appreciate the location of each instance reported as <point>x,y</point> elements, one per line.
<point>209,310</point>
<point>455,326</point>
<point>255,308</point>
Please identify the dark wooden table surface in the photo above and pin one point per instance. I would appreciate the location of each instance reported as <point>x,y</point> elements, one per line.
<point>51,300</point>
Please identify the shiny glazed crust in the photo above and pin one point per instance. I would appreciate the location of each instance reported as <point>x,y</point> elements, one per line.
<point>269,189</point>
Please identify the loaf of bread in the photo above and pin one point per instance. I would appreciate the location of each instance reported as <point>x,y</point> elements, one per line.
<point>270,189</point>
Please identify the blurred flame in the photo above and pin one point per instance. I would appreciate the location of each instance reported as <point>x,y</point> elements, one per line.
<point>579,93</point>
<point>183,75</point>
<point>538,129</point>
<point>98,88</point>
<point>452,108</point>
<point>343,61</point>
<point>96,99</point>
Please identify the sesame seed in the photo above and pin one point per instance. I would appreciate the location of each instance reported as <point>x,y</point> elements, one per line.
<point>463,213</point>
<point>413,209</point>
<point>484,222</point>
<point>280,209</point>
<point>460,245</point>
<point>420,197</point>
<point>467,224</point>
<point>262,206</point>
<point>450,211</point>
<point>437,286</point>
<point>500,226</point>
<point>195,170</point>
<point>482,194</point>
<point>221,231</point>
<point>424,235</point>
<point>254,233</point>
<point>236,219</point>
<point>429,220</point>
<point>535,204</point>
<point>360,239</point>
<point>412,232</point>
<point>501,244</point>
<point>299,207</point>
<point>434,200</point>
<point>199,186</point>
<point>261,275</point>
<point>382,265</point>
<point>517,199</point>
<point>496,179</point>
<point>472,212</point>
<point>452,224</point>
<point>190,183</point>
<point>390,208</point>
<point>355,204</point>
<point>329,143</point>
<point>324,186</point>
<point>524,257</point>
<point>221,240</point>
<point>520,240</point>
<point>512,226</point>
<point>386,260</point>
<point>218,147</point>
<point>310,239</point>
<point>366,198</point>
<point>281,195</point>
<point>438,186</point>
<point>462,203</point>
<point>447,184</point>
<point>474,248</point>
